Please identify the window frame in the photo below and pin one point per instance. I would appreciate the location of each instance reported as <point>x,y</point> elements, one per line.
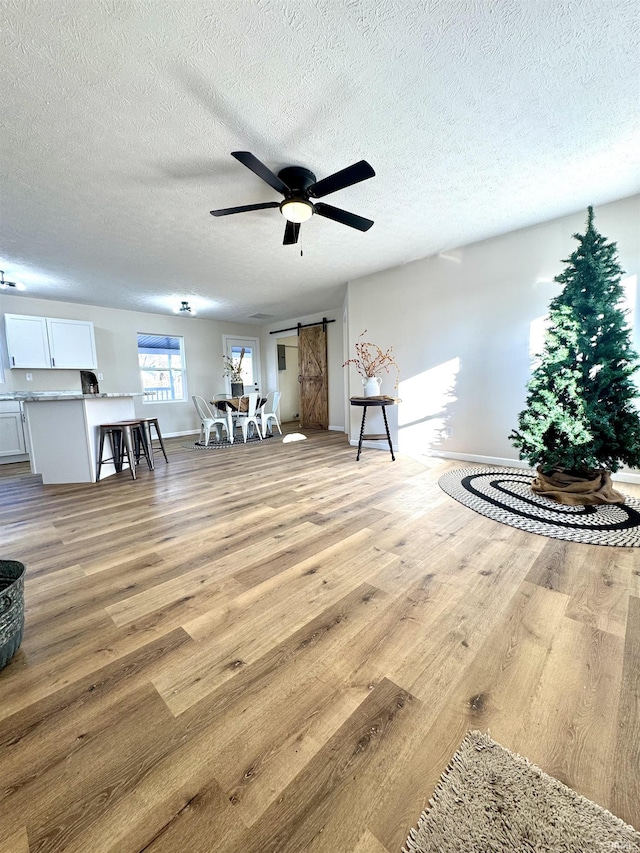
<point>182,370</point>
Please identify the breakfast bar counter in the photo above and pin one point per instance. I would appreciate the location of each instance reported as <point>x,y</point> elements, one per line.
<point>62,431</point>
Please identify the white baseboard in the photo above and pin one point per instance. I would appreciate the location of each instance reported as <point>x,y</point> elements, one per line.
<point>180,434</point>
<point>19,457</point>
<point>619,476</point>
<point>482,460</point>
<point>378,444</point>
<point>336,428</point>
<point>622,477</point>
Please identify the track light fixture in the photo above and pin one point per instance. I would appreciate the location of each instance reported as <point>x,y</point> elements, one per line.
<point>5,284</point>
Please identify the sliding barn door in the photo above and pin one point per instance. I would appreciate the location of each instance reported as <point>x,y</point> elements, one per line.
<point>314,397</point>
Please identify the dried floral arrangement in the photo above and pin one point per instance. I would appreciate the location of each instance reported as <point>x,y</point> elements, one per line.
<point>371,360</point>
<point>233,367</point>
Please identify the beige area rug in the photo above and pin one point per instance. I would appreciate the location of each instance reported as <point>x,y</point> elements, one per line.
<point>490,800</point>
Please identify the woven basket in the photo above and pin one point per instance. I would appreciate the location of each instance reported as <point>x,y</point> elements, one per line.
<point>11,608</point>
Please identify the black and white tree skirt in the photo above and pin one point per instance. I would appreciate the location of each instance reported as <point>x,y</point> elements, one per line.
<point>504,494</point>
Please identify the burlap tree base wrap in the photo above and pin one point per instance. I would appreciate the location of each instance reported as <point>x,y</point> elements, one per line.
<point>565,488</point>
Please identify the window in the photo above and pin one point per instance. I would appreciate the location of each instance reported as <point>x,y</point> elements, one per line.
<point>162,368</point>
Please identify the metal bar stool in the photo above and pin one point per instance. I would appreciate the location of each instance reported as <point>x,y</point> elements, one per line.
<point>141,440</point>
<point>123,443</point>
<point>147,423</point>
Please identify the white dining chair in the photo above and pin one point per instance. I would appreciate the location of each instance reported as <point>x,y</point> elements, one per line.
<point>269,411</point>
<point>248,417</point>
<point>209,420</point>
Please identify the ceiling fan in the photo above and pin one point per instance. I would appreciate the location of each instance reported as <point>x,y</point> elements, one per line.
<point>298,185</point>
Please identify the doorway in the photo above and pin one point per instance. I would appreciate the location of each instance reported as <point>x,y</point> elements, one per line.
<point>232,348</point>
<point>288,384</point>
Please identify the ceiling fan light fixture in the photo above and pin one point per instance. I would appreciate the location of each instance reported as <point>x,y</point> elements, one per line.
<point>296,210</point>
<point>184,308</point>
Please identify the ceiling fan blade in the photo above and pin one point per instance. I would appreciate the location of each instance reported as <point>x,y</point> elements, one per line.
<point>247,159</point>
<point>225,211</point>
<point>343,216</point>
<point>291,231</point>
<point>339,180</point>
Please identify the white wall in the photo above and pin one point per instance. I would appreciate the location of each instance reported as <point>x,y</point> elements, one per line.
<point>460,324</point>
<point>117,353</point>
<point>336,373</point>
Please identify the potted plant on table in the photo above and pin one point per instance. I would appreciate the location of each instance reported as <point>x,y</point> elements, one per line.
<point>369,361</point>
<point>232,367</point>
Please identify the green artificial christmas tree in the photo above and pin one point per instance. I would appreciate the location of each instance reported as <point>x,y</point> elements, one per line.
<point>580,413</point>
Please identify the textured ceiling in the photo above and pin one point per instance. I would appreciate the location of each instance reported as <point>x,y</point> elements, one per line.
<point>119,116</point>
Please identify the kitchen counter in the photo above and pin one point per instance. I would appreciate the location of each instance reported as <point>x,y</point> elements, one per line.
<point>63,436</point>
<point>43,396</point>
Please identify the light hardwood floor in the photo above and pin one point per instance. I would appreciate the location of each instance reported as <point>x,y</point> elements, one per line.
<point>276,648</point>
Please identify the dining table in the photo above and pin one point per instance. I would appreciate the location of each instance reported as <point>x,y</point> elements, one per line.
<point>237,404</point>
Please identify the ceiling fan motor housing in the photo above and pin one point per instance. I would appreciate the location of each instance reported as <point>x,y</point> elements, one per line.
<point>298,179</point>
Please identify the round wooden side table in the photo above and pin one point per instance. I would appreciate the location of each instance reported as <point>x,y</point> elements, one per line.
<point>377,402</point>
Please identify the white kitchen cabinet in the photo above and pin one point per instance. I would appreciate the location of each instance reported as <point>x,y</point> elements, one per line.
<point>27,341</point>
<point>11,430</point>
<point>71,344</point>
<point>44,342</point>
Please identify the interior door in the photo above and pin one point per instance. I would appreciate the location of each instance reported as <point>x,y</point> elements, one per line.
<point>312,359</point>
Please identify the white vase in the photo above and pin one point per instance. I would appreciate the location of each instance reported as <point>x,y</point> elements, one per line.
<point>372,386</point>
